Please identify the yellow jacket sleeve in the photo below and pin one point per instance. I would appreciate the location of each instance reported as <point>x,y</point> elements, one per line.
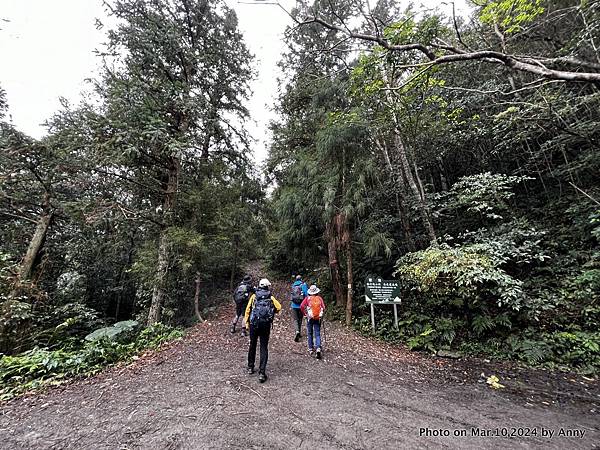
<point>249,307</point>
<point>276,304</point>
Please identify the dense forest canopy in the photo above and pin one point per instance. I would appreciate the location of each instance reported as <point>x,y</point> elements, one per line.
<point>460,156</point>
<point>138,188</point>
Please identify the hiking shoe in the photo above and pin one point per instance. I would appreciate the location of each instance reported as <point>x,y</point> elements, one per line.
<point>297,337</point>
<point>250,370</point>
<point>319,353</point>
<point>232,329</point>
<point>311,352</point>
<point>262,377</point>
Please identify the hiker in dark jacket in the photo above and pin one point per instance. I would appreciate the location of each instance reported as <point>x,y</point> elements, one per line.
<point>241,295</point>
<point>260,312</point>
<point>298,294</point>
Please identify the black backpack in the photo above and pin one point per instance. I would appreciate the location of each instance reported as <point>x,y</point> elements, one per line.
<point>297,295</point>
<point>263,311</point>
<point>241,294</point>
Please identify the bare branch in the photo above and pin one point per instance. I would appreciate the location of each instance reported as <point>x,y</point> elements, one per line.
<point>418,74</point>
<point>28,219</point>
<point>530,65</point>
<point>537,84</point>
<point>586,194</point>
<point>459,37</point>
<point>367,37</point>
<point>570,60</point>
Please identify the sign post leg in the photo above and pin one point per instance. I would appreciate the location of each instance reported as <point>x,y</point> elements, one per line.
<point>395,316</point>
<point>373,316</point>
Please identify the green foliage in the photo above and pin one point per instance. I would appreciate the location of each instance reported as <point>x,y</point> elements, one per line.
<point>65,325</point>
<point>510,15</point>
<point>486,195</point>
<point>440,335</point>
<point>41,367</point>
<point>401,151</point>
<point>156,149</point>
<point>118,331</point>
<point>15,315</point>
<point>156,335</point>
<point>3,103</point>
<point>563,349</point>
<point>407,30</point>
<point>471,273</point>
<point>22,326</point>
<point>423,341</point>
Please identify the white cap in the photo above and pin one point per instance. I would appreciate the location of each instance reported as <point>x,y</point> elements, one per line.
<point>264,283</point>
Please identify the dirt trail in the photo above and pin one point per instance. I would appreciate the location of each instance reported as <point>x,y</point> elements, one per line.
<point>363,395</point>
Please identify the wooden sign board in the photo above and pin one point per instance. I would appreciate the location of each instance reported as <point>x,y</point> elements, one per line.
<point>382,292</point>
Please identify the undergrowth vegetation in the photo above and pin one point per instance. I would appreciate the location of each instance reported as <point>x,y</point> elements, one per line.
<point>41,367</point>
<point>137,204</point>
<point>475,188</point>
<point>507,290</point>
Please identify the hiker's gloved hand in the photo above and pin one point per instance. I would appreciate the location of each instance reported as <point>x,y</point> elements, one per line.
<point>320,314</point>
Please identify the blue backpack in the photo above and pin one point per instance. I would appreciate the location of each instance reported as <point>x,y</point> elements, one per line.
<point>297,294</point>
<point>263,311</point>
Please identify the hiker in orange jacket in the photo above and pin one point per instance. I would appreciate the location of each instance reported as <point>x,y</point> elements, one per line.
<point>313,308</point>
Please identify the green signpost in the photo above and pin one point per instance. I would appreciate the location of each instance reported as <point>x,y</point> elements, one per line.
<point>382,292</point>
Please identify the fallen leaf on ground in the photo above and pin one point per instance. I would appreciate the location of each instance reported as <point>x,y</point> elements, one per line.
<point>493,381</point>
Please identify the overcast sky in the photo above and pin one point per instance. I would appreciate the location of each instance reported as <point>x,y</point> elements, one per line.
<point>46,52</point>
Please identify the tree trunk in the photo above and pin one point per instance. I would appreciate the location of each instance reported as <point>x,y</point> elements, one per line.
<point>334,267</point>
<point>162,266</point>
<point>162,269</point>
<point>419,182</point>
<point>350,282</point>
<point>442,175</point>
<point>236,245</point>
<point>35,244</point>
<point>400,203</point>
<point>405,164</point>
<point>212,119</point>
<point>421,202</point>
<point>197,298</point>
<point>343,230</point>
<point>118,308</point>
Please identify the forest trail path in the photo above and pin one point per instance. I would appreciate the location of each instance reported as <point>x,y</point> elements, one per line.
<point>364,394</point>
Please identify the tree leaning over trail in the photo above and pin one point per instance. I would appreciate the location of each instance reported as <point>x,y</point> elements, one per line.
<point>177,74</point>
<point>505,19</point>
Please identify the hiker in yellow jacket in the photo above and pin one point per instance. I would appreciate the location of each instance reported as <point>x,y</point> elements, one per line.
<point>260,312</point>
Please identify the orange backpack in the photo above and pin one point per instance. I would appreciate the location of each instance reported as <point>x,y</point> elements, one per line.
<point>313,308</point>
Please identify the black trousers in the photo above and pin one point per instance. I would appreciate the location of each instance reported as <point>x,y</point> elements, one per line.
<point>255,334</point>
<point>297,315</point>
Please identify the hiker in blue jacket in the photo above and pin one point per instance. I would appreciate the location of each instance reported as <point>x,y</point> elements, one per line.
<point>299,293</point>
